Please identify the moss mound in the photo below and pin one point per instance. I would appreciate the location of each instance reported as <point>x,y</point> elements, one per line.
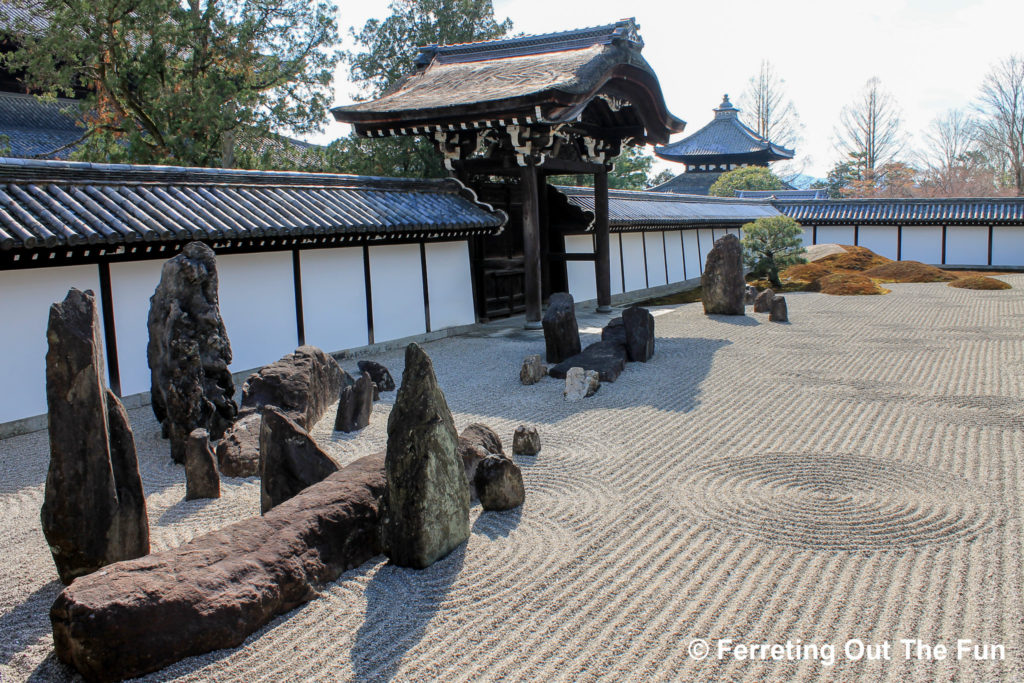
<point>908,271</point>
<point>855,258</point>
<point>849,284</point>
<point>806,272</point>
<point>979,282</point>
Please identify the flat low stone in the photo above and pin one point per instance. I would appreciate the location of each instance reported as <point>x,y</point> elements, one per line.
<point>533,370</point>
<point>201,478</point>
<point>607,358</point>
<point>290,461</point>
<point>779,313</point>
<point>763,301</point>
<point>561,333</point>
<point>302,384</point>
<point>639,329</point>
<point>580,384</point>
<point>214,591</point>
<point>525,441</point>
<point>379,374</point>
<point>499,483</point>
<point>238,453</point>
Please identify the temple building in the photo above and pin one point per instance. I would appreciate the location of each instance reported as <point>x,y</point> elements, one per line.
<point>721,146</point>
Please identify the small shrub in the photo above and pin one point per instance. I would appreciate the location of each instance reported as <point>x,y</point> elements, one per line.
<point>979,282</point>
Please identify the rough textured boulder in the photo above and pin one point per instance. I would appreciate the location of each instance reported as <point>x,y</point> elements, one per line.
<point>614,331</point>
<point>607,358</point>
<point>580,384</point>
<point>238,453</point>
<point>639,326</point>
<point>475,443</point>
<point>216,590</point>
<point>189,352</point>
<point>779,312</point>
<point>483,436</point>
<point>94,509</point>
<point>290,461</point>
<point>722,281</point>
<point>525,441</point>
<point>355,405</point>
<point>533,370</point>
<point>201,478</point>
<point>499,483</point>
<point>302,384</point>
<point>561,334</point>
<point>750,295</point>
<point>427,504</point>
<point>763,301</point>
<point>379,374</point>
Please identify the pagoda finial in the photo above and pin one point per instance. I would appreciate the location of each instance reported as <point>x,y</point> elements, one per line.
<point>725,109</point>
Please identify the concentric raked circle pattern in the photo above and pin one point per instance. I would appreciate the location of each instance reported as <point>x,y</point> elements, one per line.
<point>835,501</point>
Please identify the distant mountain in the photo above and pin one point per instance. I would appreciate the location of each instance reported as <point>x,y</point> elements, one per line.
<point>803,181</point>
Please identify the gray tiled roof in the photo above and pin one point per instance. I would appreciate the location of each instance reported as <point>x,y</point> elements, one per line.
<point>54,203</point>
<point>725,137</point>
<point>689,183</point>
<point>35,127</point>
<point>633,210</point>
<point>782,194</point>
<point>960,211</point>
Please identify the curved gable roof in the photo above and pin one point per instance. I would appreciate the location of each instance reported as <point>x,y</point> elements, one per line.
<point>725,140</point>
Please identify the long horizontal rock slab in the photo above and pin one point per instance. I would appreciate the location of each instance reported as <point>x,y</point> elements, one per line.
<point>140,615</point>
<point>607,358</point>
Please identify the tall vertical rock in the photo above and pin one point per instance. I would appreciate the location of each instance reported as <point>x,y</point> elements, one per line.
<point>724,288</point>
<point>189,352</point>
<point>94,509</point>
<point>427,503</point>
<point>561,333</point>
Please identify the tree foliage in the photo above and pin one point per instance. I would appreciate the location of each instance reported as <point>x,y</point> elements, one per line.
<point>772,243</point>
<point>180,82</point>
<point>1001,124</point>
<point>869,129</point>
<point>839,178</point>
<point>746,178</point>
<point>767,108</point>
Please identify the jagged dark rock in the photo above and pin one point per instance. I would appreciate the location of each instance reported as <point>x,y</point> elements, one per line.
<point>355,405</point>
<point>499,483</point>
<point>303,385</point>
<point>779,313</point>
<point>94,508</point>
<point>763,301</point>
<point>379,374</point>
<point>189,351</point>
<point>427,503</point>
<point>614,331</point>
<point>532,370</point>
<point>290,461</point>
<point>607,358</point>
<point>214,591</point>
<point>238,453</point>
<point>483,436</point>
<point>639,328</point>
<point>723,287</point>
<point>201,478</point>
<point>525,441</point>
<point>561,334</point>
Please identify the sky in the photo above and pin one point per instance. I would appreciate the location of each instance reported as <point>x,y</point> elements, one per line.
<point>930,54</point>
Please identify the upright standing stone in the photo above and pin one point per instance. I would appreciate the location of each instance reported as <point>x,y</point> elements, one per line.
<point>290,460</point>
<point>763,301</point>
<point>94,508</point>
<point>499,483</point>
<point>355,405</point>
<point>750,295</point>
<point>379,374</point>
<point>427,503</point>
<point>189,352</point>
<point>561,334</point>
<point>639,324</point>
<point>779,313</point>
<point>722,281</point>
<point>201,478</point>
<point>525,441</point>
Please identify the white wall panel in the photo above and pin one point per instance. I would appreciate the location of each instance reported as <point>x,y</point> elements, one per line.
<point>655,250</point>
<point>616,264</point>
<point>633,260</point>
<point>922,243</point>
<point>808,236</point>
<point>257,302</point>
<point>691,252</point>
<point>835,234</point>
<point>674,255</point>
<point>396,287</point>
<point>706,238</point>
<point>967,245</point>
<point>1007,246</point>
<point>131,286</point>
<point>582,279</point>
<point>25,299</point>
<point>449,285</point>
<point>881,239</point>
<point>334,298</point>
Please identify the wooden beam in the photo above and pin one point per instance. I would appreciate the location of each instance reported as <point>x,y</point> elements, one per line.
<point>602,243</point>
<point>582,256</point>
<point>530,184</point>
<point>569,166</point>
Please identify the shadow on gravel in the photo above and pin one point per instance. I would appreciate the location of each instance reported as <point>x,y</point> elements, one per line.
<point>28,622</point>
<point>742,320</point>
<point>493,524</point>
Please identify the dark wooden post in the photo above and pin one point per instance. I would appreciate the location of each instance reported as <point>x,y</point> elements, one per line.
<point>531,243</point>
<point>602,265</point>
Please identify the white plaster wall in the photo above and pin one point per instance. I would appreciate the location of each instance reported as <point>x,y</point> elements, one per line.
<point>674,255</point>
<point>334,298</point>
<point>582,279</point>
<point>449,285</point>
<point>615,264</point>
<point>257,302</point>
<point>881,239</point>
<point>633,259</point>
<point>921,243</point>
<point>706,237</point>
<point>835,234</point>
<point>396,288</point>
<point>655,259</point>
<point>808,236</point>
<point>692,263</point>
<point>1007,246</point>
<point>967,245</point>
<point>131,286</point>
<point>25,299</point>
